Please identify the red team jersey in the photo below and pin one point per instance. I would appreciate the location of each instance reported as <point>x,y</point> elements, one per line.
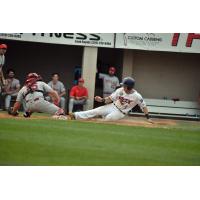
<point>77,91</point>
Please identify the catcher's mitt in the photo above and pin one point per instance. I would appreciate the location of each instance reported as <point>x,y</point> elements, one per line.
<point>10,112</point>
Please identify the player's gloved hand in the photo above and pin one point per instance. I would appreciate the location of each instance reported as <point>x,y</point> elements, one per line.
<point>98,99</point>
<point>10,112</point>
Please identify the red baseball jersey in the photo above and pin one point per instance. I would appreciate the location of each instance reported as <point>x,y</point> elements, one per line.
<point>77,91</point>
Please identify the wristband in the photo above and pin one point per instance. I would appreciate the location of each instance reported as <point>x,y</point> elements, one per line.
<point>147,116</point>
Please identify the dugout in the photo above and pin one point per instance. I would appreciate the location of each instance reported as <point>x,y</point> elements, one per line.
<point>46,58</point>
<point>43,58</point>
<point>167,75</point>
<point>108,57</point>
<point>168,78</point>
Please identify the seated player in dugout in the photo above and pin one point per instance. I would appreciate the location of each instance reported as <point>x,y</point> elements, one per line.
<point>78,96</point>
<point>59,87</point>
<point>110,81</point>
<point>11,88</point>
<point>32,95</point>
<point>118,104</point>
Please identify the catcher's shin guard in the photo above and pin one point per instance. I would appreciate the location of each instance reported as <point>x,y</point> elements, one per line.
<point>60,114</point>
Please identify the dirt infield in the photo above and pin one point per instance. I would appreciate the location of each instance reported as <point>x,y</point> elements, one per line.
<point>7,116</point>
<point>128,121</point>
<point>139,121</point>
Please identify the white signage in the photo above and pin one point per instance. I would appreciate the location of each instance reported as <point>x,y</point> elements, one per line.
<point>82,39</point>
<point>175,42</point>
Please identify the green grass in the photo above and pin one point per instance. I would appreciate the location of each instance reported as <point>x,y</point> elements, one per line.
<point>51,142</point>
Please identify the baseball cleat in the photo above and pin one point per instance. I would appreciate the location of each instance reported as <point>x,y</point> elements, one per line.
<point>27,114</point>
<point>71,116</point>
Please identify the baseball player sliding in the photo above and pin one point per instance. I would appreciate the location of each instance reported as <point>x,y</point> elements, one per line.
<point>32,95</point>
<point>118,104</point>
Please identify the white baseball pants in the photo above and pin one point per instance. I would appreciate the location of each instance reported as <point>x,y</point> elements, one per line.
<point>108,112</point>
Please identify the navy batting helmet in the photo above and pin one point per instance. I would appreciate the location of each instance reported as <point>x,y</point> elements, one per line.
<point>128,82</point>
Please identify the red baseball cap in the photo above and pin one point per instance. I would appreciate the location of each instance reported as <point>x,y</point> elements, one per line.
<point>3,46</point>
<point>81,80</point>
<point>112,69</point>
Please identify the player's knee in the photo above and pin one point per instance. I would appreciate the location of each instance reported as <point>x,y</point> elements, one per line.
<point>8,96</point>
<point>87,102</point>
<point>109,118</point>
<point>112,117</point>
<point>71,100</point>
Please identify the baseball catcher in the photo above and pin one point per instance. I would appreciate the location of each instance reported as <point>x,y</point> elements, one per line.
<point>32,96</point>
<point>118,104</point>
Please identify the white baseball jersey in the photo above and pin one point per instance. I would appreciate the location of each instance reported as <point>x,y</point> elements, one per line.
<point>109,83</point>
<point>125,102</point>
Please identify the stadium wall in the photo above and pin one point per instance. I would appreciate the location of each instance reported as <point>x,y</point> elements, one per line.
<point>165,74</point>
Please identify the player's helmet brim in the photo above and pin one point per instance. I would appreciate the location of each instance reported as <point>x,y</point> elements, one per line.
<point>128,82</point>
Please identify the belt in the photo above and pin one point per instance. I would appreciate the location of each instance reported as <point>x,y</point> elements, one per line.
<point>119,109</point>
<point>36,99</point>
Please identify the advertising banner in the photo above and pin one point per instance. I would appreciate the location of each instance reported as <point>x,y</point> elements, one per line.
<point>173,42</point>
<point>82,39</point>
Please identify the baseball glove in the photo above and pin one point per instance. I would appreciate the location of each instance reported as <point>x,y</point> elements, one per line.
<point>10,112</point>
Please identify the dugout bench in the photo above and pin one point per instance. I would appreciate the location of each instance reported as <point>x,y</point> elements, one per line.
<point>172,109</point>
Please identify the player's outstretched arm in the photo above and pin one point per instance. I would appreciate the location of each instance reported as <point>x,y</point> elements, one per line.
<point>105,100</point>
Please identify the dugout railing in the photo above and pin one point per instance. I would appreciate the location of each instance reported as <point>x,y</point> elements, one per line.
<point>171,109</point>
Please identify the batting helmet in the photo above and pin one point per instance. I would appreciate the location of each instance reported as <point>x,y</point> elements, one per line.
<point>3,46</point>
<point>128,82</point>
